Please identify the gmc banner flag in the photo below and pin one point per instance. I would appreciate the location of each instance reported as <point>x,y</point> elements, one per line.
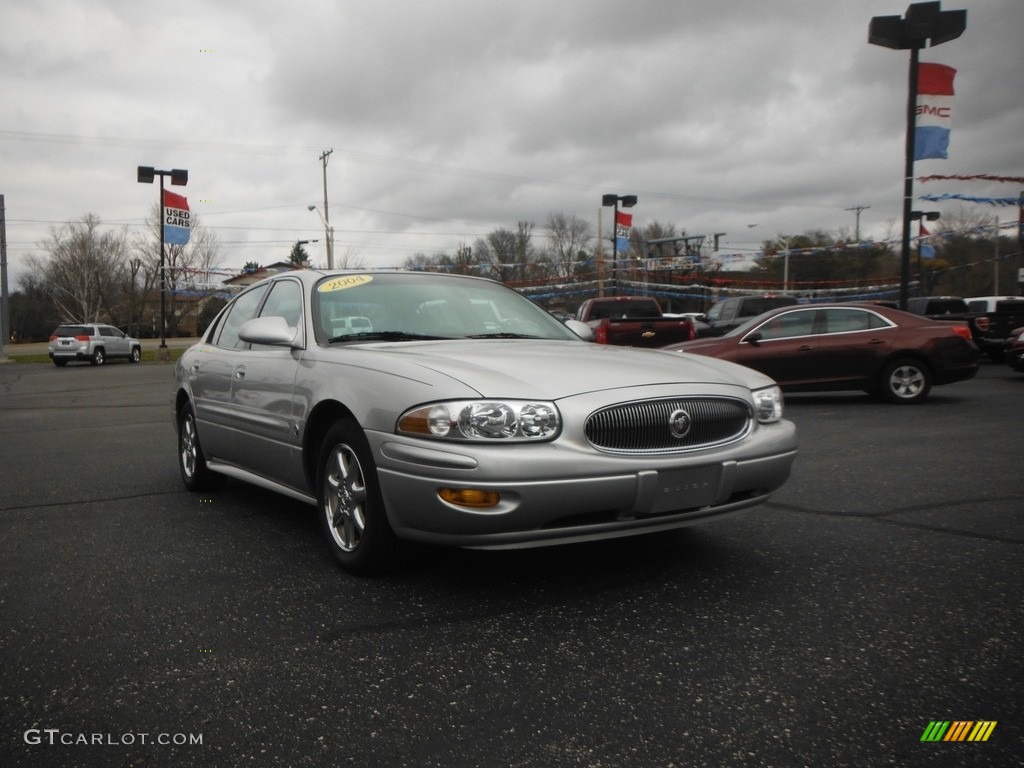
<point>623,222</point>
<point>934,110</point>
<point>177,219</point>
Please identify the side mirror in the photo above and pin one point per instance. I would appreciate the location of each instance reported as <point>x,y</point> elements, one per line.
<point>271,330</point>
<point>581,329</point>
<point>754,338</point>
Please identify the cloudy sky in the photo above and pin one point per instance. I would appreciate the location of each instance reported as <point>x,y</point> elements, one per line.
<point>449,118</point>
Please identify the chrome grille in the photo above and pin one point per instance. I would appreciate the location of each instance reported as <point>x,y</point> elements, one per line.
<point>644,427</point>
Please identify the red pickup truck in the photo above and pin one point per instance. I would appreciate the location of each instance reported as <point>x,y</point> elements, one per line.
<point>633,321</point>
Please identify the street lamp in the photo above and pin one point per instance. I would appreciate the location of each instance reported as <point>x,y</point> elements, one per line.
<point>628,201</point>
<point>298,246</point>
<point>924,24</point>
<point>328,235</point>
<point>179,177</point>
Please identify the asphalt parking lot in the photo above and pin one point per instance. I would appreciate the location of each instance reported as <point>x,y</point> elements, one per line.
<point>879,591</point>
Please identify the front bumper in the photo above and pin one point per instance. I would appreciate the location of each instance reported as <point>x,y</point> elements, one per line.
<point>553,493</point>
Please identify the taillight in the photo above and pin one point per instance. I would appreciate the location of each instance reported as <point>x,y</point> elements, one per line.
<point>601,334</point>
<point>962,331</point>
<point>53,338</point>
<point>981,323</point>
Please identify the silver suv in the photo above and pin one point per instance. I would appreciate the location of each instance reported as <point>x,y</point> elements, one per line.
<point>94,342</point>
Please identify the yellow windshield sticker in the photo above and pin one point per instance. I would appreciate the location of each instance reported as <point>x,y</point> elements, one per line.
<point>341,283</point>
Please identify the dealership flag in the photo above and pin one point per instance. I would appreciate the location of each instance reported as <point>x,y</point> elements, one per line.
<point>177,219</point>
<point>934,110</point>
<point>623,222</point>
<point>925,250</point>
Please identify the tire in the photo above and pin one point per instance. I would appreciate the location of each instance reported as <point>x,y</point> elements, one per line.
<point>60,363</point>
<point>135,356</point>
<point>905,381</point>
<point>99,357</point>
<point>191,462</point>
<point>350,504</point>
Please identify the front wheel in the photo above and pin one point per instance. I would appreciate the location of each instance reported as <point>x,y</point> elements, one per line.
<point>351,507</point>
<point>191,462</point>
<point>905,381</point>
<point>135,356</point>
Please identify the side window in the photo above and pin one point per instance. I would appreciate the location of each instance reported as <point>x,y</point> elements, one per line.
<point>715,313</point>
<point>788,325</point>
<point>847,320</point>
<point>285,300</point>
<point>106,330</point>
<point>243,309</point>
<point>729,310</point>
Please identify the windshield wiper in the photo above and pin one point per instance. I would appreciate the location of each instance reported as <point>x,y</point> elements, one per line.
<point>503,335</point>
<point>383,336</point>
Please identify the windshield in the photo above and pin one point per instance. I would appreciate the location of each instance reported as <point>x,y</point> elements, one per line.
<point>397,306</point>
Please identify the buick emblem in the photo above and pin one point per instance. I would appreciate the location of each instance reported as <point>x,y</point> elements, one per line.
<point>679,423</point>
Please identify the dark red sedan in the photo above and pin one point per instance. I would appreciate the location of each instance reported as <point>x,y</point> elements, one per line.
<point>813,347</point>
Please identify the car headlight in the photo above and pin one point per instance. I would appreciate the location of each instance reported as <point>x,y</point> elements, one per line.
<point>768,404</point>
<point>483,420</point>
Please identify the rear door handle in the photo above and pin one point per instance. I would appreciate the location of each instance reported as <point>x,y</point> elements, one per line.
<point>240,372</point>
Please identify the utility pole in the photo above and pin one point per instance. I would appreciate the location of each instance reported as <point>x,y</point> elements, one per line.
<point>327,215</point>
<point>857,209</point>
<point>5,314</point>
<point>995,271</point>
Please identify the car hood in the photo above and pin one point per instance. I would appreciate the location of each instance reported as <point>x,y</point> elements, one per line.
<point>724,348</point>
<point>539,369</point>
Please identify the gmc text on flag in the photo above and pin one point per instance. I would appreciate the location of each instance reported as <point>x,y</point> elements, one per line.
<point>623,222</point>
<point>934,110</point>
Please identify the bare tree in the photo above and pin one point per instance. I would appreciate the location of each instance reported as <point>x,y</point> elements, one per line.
<point>569,237</point>
<point>349,259</point>
<point>82,271</point>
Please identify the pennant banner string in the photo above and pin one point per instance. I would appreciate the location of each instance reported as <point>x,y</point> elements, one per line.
<point>973,199</point>
<point>974,177</point>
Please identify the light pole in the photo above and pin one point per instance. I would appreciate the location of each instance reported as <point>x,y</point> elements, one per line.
<point>924,23</point>
<point>920,217</point>
<point>179,177</point>
<point>628,201</point>
<point>328,235</point>
<point>785,263</point>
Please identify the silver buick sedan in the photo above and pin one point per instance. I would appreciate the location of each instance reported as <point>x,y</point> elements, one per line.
<point>453,410</point>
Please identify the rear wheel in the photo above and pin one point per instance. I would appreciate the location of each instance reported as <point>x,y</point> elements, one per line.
<point>59,363</point>
<point>905,381</point>
<point>351,507</point>
<point>194,472</point>
<point>99,357</point>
